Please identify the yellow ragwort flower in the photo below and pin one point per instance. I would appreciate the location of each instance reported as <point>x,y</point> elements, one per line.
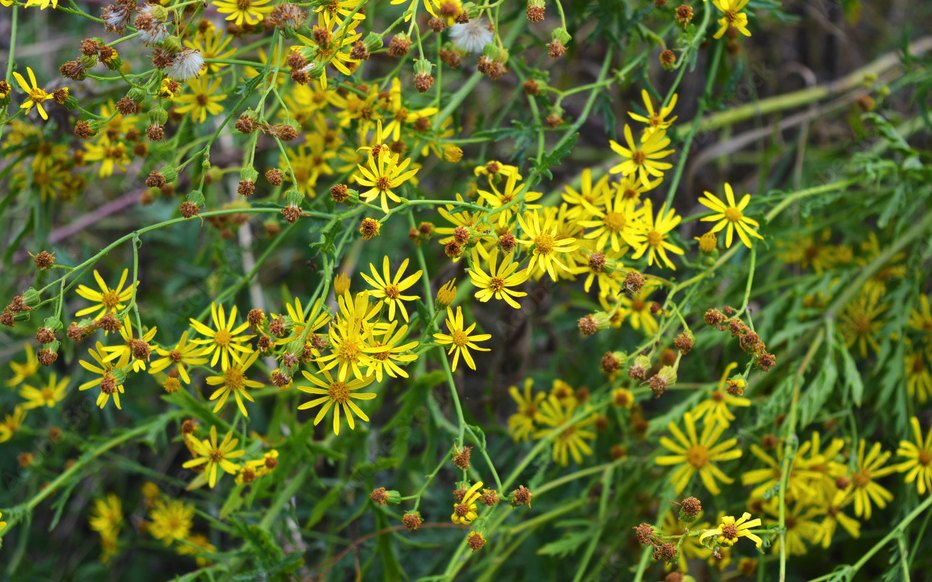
<point>497,281</point>
<point>234,381</point>
<point>730,530</point>
<point>466,511</point>
<point>49,395</point>
<point>110,300</point>
<point>643,158</point>
<point>918,466</point>
<point>389,289</point>
<point>224,343</point>
<point>730,215</point>
<point>215,455</point>
<point>35,95</point>
<point>459,339</point>
<point>171,521</point>
<point>336,394</point>
<point>697,454</point>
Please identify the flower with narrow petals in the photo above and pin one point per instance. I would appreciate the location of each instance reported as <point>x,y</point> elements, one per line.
<point>35,95</point>
<point>547,247</point>
<point>381,174</point>
<point>185,353</point>
<point>732,16</point>
<point>224,343</point>
<point>654,236</point>
<point>248,11</point>
<point>865,488</point>
<point>697,454</point>
<point>111,376</point>
<point>918,464</point>
<point>389,289</point>
<point>171,520</point>
<point>499,278</point>
<point>465,512</point>
<point>522,423</point>
<point>389,350</point>
<point>49,395</point>
<point>234,380</point>
<point>459,339</point>
<point>109,300</point>
<point>655,120</point>
<point>643,158</point>
<point>730,530</point>
<point>215,456</point>
<point>335,393</point>
<point>730,215</point>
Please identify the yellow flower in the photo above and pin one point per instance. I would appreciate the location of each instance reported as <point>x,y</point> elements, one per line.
<point>654,236</point>
<point>800,527</point>
<point>921,319</point>
<point>382,174</point>
<point>125,350</point>
<point>697,454</point>
<point>250,11</point>
<point>109,153</point>
<point>918,378</point>
<point>589,195</point>
<point>730,215</point>
<point>732,16</point>
<point>512,191</point>
<point>296,314</point>
<point>203,99</point>
<point>215,456</point>
<point>432,6</point>
<point>35,95</point>
<point>225,341</point>
<point>715,409</point>
<point>918,466</point>
<point>171,521</point>
<point>12,423</point>
<point>110,300</point>
<point>617,224</point>
<point>197,545</point>
<point>336,393</point>
<point>42,4</point>
<point>570,440</point>
<point>521,423</point>
<point>107,516</point>
<point>2,523</point>
<point>858,323</point>
<point>349,346</point>
<point>730,530</point>
<point>23,371</point>
<point>497,281</point>
<point>643,159</point>
<point>870,467</point>
<point>459,339</point>
<point>334,12</point>
<point>234,381</point>
<point>465,512</point>
<point>770,479</point>
<point>834,517</point>
<point>386,351</point>
<point>655,120</point>
<point>389,289</point>
<point>184,354</point>
<point>546,248</point>
<point>111,376</point>
<point>337,52</point>
<point>636,309</point>
<point>47,396</point>
<point>308,161</point>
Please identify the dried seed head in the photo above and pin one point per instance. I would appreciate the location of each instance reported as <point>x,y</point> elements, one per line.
<point>399,45</point>
<point>531,87</point>
<point>264,344</point>
<point>666,552</point>
<point>189,209</point>
<point>497,71</point>
<point>188,427</point>
<point>453,250</point>
<point>556,49</point>
<point>83,129</point>
<point>587,325</point>
<point>7,318</point>
<point>423,82</point>
<point>667,58</point>
<point>618,452</point>
<point>507,242</point>
<point>379,496</point>
<point>360,51</point>
<point>155,132</point>
<point>155,179</point>
<point>634,281</point>
<point>292,213</point>
<point>141,350</point>
<point>450,58</point>
<point>458,494</point>
<point>766,361</point>
<point>658,385</point>
<point>47,357</point>
<point>109,323</point>
<point>437,24</point>
<point>684,14</point>
<point>553,121</point>
<point>461,235</point>
<point>610,363</point>
<point>684,343</point>
<point>660,3</point>
<point>714,317</point>
<point>412,521</point>
<point>45,335</point>
<point>246,187</point>
<point>44,260</point>
<point>339,192</point>
<point>489,497</point>
<point>461,458</point>
<point>274,176</point>
<point>369,228</point>
<point>645,533</point>
<point>246,123</point>
<point>255,317</point>
<point>521,496</point>
<point>475,541</point>
<point>750,342</point>
<point>280,379</point>
<point>535,13</point>
<point>127,106</point>
<point>656,308</point>
<point>691,507</point>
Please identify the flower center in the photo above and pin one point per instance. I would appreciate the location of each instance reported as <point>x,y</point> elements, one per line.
<point>614,221</point>
<point>339,393</point>
<point>461,510</point>
<point>223,338</point>
<point>49,396</point>
<point>496,284</point>
<point>544,243</point>
<point>216,455</point>
<point>243,5</point>
<point>730,532</point>
<point>697,456</point>
<point>402,114</point>
<point>530,411</point>
<point>201,99</point>
<point>733,214</point>
<point>567,433</point>
<point>349,351</point>
<point>110,299</point>
<point>861,324</point>
<point>731,16</point>
<point>654,238</point>
<point>383,183</point>
<point>860,479</point>
<point>175,356</point>
<point>233,378</point>
<point>460,339</point>
<point>392,292</point>
<point>718,396</point>
<point>639,157</point>
<point>638,304</point>
<point>925,457</point>
<point>38,95</point>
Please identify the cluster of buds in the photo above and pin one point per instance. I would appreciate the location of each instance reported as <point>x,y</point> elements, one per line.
<point>559,38</point>
<point>461,457</point>
<point>492,62</point>
<point>422,233</point>
<point>648,536</point>
<point>19,308</point>
<point>749,340</point>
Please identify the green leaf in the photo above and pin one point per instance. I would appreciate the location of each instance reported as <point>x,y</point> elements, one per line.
<point>853,384</point>
<point>554,157</point>
<point>567,544</point>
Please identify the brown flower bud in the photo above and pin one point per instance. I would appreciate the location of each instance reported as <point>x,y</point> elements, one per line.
<point>423,82</point>
<point>412,521</point>
<point>667,58</point>
<point>44,260</point>
<point>521,496</point>
<point>555,49</point>
<point>634,281</point>
<point>399,45</point>
<point>475,541</point>
<point>645,533</point>
<point>535,13</point>
<point>684,343</point>
<point>47,357</point>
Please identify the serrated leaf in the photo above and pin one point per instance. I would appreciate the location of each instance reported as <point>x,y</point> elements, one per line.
<point>569,543</point>
<point>853,384</point>
<point>554,157</point>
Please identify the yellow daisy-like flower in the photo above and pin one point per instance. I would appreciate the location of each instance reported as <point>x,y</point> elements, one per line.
<point>521,423</point>
<point>697,454</point>
<point>110,300</point>
<point>715,409</point>
<point>171,521</point>
<point>12,423</point>
<point>732,16</point>
<point>513,190</point>
<point>589,194</point>
<point>730,530</point>
<point>35,95</point>
<point>918,378</point>
<point>654,236</point>
<point>332,13</point>
<point>48,396</point>
<point>497,281</point>
<point>298,321</point>
<point>869,468</point>
<point>109,153</point>
<point>224,343</point>
<point>643,159</point>
<point>383,173</point>
<point>466,511</point>
<point>834,517</point>
<point>389,289</point>
<point>234,381</point>
<point>570,441</point>
<point>459,339</point>
<point>349,346</point>
<point>23,371</point>
<point>336,394</point>
<point>107,516</point>
<point>617,224</point>
<point>730,215</point>
<point>921,319</point>
<point>248,11</point>
<point>125,350</point>
<point>184,354</point>
<point>202,100</point>
<point>111,376</point>
<point>337,52</point>
<point>215,456</point>
<point>655,120</point>
<point>387,352</point>
<point>197,545</point>
<point>859,322</point>
<point>918,466</point>
<point>546,248</point>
